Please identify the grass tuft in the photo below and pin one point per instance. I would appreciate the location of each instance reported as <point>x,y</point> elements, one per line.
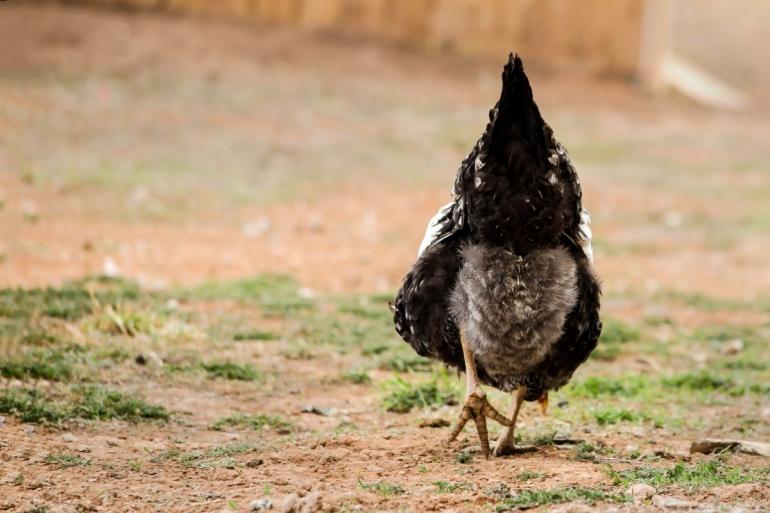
<point>357,376</point>
<point>448,487</point>
<point>255,334</point>
<point>51,365</point>
<point>381,487</point>
<point>403,395</point>
<point>534,498</point>
<point>253,422</point>
<point>609,415</point>
<point>221,456</point>
<point>62,460</point>
<point>275,293</point>
<point>692,476</point>
<point>231,371</point>
<point>97,403</point>
<point>29,406</point>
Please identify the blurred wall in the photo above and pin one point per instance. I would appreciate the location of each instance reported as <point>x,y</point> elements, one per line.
<point>601,34</point>
<point>731,40</point>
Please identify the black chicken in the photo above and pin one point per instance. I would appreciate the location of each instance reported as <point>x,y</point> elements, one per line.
<point>503,286</point>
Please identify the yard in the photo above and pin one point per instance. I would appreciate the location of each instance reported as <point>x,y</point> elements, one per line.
<point>201,224</point>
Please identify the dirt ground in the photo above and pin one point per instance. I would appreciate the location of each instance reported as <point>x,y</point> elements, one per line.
<point>176,151</point>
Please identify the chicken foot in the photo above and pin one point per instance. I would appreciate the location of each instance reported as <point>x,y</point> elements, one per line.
<point>476,406</point>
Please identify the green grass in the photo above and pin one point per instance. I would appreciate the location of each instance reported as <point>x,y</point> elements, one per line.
<point>381,487</point>
<point>357,376</point>
<point>615,333</point>
<point>463,458</point>
<point>83,402</point>
<point>231,371</point>
<point>97,403</point>
<point>448,487</point>
<point>49,364</point>
<point>588,452</point>
<point>630,385</point>
<point>691,476</point>
<point>406,363</point>
<point>30,406</point>
<point>253,422</point>
<point>275,294</point>
<point>527,475</point>
<point>609,415</point>
<point>404,395</point>
<point>534,498</point>
<point>221,456</point>
<point>255,334</point>
<point>702,380</point>
<point>62,460</point>
<point>71,302</point>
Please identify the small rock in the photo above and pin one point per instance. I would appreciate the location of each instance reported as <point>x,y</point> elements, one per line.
<point>500,491</point>
<point>709,445</point>
<point>641,492</point>
<point>110,269</point>
<point>287,506</point>
<point>2,420</point>
<point>256,228</point>
<point>316,222</point>
<point>310,503</point>
<point>672,218</point>
<point>260,505</point>
<point>149,357</point>
<point>433,423</point>
<point>324,412</point>
<point>571,508</point>
<point>732,347</point>
<point>69,437</point>
<point>666,502</point>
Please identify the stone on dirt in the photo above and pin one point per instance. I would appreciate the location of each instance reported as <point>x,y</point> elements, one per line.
<point>287,506</point>
<point>709,445</point>
<point>260,505</point>
<point>434,423</point>
<point>641,492</point>
<point>667,502</point>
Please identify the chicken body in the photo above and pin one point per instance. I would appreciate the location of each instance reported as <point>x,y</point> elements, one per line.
<point>504,282</point>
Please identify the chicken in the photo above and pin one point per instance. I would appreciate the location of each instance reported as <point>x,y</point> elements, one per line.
<point>503,287</point>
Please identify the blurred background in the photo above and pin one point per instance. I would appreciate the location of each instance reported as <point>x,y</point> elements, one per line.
<point>174,141</point>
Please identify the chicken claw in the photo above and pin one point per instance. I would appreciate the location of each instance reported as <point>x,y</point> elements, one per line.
<point>477,407</point>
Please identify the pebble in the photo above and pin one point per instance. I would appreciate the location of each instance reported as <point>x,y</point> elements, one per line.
<point>2,420</point>
<point>311,503</point>
<point>315,410</point>
<point>260,505</point>
<point>732,347</point>
<point>666,502</point>
<point>69,437</point>
<point>256,228</point>
<point>641,492</point>
<point>571,508</point>
<point>287,506</point>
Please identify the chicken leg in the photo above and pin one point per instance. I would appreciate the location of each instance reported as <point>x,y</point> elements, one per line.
<point>476,406</point>
<point>506,442</point>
